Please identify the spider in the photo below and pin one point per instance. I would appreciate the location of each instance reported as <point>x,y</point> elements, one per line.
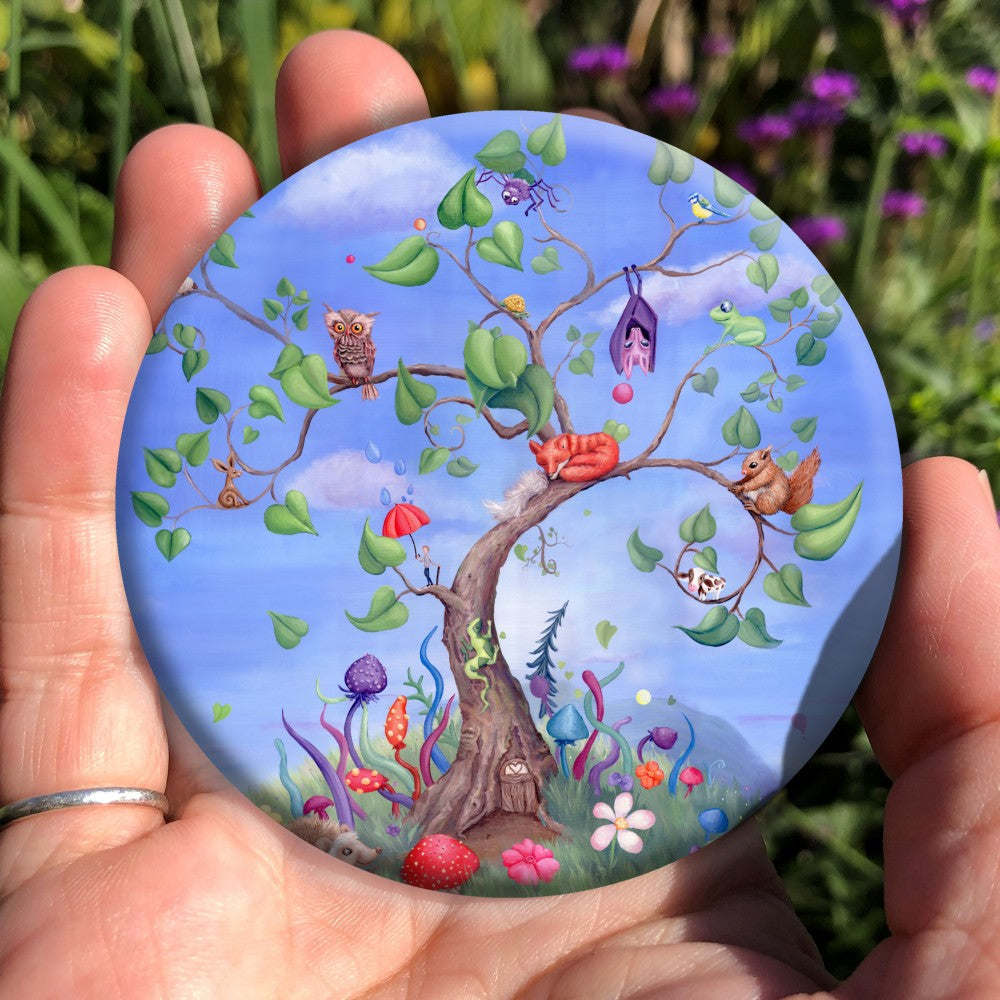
<point>522,187</point>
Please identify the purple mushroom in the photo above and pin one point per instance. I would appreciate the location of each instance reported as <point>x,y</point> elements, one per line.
<point>365,680</point>
<point>663,736</point>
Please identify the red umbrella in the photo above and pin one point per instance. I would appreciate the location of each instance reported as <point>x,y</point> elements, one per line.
<point>404,519</point>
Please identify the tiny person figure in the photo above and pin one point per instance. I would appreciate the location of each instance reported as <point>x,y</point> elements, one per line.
<point>427,562</point>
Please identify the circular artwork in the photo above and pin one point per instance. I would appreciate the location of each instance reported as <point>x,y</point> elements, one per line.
<point>509,504</point>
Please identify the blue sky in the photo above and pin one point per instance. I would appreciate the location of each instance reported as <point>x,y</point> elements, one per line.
<point>202,617</point>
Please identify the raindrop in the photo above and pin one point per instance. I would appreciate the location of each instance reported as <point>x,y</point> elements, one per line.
<point>400,467</point>
<point>409,490</point>
<point>385,497</point>
<point>373,453</point>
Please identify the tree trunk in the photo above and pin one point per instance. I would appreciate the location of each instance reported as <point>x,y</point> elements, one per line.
<point>503,761</point>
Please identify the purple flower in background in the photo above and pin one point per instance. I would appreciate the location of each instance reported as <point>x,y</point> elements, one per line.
<point>813,115</point>
<point>819,231</point>
<point>833,87</point>
<point>600,60</point>
<point>676,101</point>
<point>767,130</point>
<point>903,205</point>
<point>908,13</point>
<point>985,330</point>
<point>931,144</point>
<point>622,781</point>
<point>717,45</point>
<point>983,79</point>
<point>393,830</point>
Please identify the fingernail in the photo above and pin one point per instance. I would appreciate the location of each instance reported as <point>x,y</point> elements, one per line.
<point>984,481</point>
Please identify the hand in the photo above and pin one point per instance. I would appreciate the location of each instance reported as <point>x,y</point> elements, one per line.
<point>218,900</point>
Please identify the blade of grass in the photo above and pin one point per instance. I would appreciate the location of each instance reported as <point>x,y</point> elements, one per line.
<point>881,179</point>
<point>257,22</point>
<point>165,47</point>
<point>12,194</point>
<point>123,91</point>
<point>986,222</point>
<point>39,191</point>
<point>188,59</point>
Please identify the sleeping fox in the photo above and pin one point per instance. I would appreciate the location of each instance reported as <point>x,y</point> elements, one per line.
<point>577,458</point>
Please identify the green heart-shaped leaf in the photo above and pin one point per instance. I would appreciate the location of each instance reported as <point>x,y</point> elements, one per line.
<point>643,556</point>
<point>707,559</point>
<point>220,711</point>
<point>549,142</point>
<point>826,322</point>
<point>605,632</point>
<point>464,205</point>
<point>776,405</point>
<point>618,431</point>
<point>194,447</point>
<point>288,630</point>
<point>307,383</point>
<point>223,251</point>
<point>823,528</point>
<point>290,356</point>
<point>533,396</point>
<point>376,552</point>
<point>412,396</point>
<point>809,351</point>
<point>716,629</point>
<point>290,517</point>
<point>794,382</point>
<point>185,335</point>
<point>683,166</point>
<point>285,288</point>
<point>461,467</point>
<point>210,403</point>
<point>158,342</point>
<point>583,364</point>
<point>410,263</point>
<point>662,166</point>
<point>546,262</point>
<point>520,551</point>
<point>727,192</point>
<point>193,361</point>
<point>763,272</point>
<point>250,434</point>
<point>823,285</point>
<point>150,508</point>
<point>503,153</point>
<point>741,429</point>
<point>162,465</point>
<point>432,458</point>
<point>172,543</point>
<point>384,613</point>
<point>699,527</point>
<point>504,246</point>
<point>804,428</point>
<point>785,586</point>
<point>273,309</point>
<point>766,235</point>
<point>265,403</point>
<point>753,630</point>
<point>706,382</point>
<point>788,461</point>
<point>760,211</point>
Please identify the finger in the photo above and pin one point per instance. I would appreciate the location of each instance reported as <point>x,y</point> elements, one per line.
<point>934,675</point>
<point>79,706</point>
<point>339,86</point>
<point>931,703</point>
<point>179,190</point>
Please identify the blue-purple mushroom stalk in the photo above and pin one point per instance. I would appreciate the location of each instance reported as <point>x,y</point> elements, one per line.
<point>567,727</point>
<point>594,777</point>
<point>295,800</point>
<point>679,763</point>
<point>341,742</point>
<point>440,761</point>
<point>341,800</point>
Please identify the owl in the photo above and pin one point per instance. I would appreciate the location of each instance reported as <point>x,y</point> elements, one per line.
<point>353,347</point>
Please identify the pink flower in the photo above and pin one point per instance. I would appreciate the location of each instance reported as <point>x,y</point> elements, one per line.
<point>833,87</point>
<point>903,205</point>
<point>983,79</point>
<point>528,863</point>
<point>622,824</point>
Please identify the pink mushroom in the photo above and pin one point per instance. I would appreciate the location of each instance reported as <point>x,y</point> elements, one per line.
<point>691,776</point>
<point>319,804</point>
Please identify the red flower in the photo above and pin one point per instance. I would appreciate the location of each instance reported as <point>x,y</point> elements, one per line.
<point>649,774</point>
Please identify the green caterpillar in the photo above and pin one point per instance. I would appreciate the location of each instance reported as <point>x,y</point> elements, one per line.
<point>481,652</point>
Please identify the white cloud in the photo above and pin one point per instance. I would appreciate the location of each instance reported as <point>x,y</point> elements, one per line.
<point>374,182</point>
<point>344,480</point>
<point>677,300</point>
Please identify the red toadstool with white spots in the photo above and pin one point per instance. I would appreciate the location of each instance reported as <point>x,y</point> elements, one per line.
<point>439,862</point>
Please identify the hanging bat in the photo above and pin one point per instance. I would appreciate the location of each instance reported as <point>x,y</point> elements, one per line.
<point>633,344</point>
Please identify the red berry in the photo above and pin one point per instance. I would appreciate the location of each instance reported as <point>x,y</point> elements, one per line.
<point>350,258</point>
<point>622,393</point>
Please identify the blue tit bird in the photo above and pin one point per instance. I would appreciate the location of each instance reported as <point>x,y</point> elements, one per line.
<point>703,209</point>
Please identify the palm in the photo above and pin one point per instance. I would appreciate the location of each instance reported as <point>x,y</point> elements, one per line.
<point>222,897</point>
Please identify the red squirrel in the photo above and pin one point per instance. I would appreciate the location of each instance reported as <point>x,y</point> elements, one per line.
<point>765,488</point>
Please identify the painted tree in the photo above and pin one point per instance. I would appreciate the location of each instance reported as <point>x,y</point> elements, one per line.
<point>507,378</point>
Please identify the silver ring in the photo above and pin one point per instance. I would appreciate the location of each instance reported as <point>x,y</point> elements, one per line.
<point>108,796</point>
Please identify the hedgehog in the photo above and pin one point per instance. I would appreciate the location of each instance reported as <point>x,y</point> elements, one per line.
<point>336,839</point>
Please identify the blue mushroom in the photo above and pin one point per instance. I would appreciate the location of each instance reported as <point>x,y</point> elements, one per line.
<point>567,727</point>
<point>713,822</point>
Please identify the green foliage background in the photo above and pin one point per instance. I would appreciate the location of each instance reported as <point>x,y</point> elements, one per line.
<point>82,80</point>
